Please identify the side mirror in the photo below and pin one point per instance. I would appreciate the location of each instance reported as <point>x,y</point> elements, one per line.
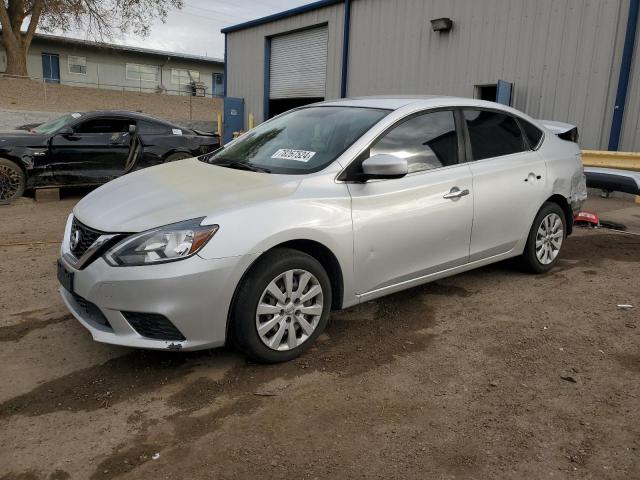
<point>132,129</point>
<point>385,166</point>
<point>66,131</point>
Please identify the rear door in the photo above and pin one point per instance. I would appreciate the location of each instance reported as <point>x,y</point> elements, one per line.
<point>508,181</point>
<point>410,227</point>
<point>95,152</point>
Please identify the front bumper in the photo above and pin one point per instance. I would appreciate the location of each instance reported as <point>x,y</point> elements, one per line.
<point>193,294</point>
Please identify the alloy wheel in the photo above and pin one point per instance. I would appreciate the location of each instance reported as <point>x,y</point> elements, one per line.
<point>289,310</point>
<point>9,182</point>
<point>549,238</point>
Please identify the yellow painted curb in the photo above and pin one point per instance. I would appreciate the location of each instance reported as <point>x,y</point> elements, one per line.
<point>604,159</point>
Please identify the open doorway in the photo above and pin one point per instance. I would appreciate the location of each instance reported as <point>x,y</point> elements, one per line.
<point>487,92</point>
<point>281,105</point>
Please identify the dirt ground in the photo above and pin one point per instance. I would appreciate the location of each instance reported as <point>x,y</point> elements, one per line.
<point>489,374</point>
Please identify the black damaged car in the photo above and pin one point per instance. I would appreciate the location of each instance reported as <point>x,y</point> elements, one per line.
<point>92,148</point>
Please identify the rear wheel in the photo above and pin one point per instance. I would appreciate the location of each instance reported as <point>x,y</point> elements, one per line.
<point>12,181</point>
<point>282,306</point>
<point>545,239</point>
<point>177,156</point>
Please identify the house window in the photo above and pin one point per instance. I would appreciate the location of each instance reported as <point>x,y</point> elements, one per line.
<point>78,65</point>
<point>184,77</point>
<point>218,84</point>
<point>142,73</point>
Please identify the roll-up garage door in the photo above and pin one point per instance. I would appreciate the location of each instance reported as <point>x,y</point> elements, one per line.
<point>299,64</point>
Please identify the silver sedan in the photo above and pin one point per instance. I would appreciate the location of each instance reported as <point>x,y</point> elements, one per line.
<point>320,208</point>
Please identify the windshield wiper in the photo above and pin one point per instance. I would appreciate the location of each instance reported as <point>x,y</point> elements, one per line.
<point>241,166</point>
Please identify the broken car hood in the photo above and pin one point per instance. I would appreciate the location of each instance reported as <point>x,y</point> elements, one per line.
<point>174,192</point>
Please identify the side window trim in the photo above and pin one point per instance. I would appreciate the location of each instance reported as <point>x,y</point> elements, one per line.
<point>535,147</point>
<point>343,176</point>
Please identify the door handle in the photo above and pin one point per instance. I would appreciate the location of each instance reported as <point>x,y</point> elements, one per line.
<point>532,176</point>
<point>455,193</point>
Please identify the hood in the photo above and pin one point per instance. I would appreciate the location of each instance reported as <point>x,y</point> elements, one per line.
<point>174,192</point>
<point>21,138</point>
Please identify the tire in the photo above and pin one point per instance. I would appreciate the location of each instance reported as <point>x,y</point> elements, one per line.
<point>542,252</point>
<point>12,181</point>
<point>286,315</point>
<point>177,156</point>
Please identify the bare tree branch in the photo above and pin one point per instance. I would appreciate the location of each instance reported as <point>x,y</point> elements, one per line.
<point>35,11</point>
<point>98,19</point>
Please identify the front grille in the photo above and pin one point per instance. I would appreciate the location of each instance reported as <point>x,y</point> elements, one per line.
<point>91,311</point>
<point>153,325</point>
<point>82,237</point>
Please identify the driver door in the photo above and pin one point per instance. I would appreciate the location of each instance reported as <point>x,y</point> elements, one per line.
<point>95,152</point>
<point>408,228</point>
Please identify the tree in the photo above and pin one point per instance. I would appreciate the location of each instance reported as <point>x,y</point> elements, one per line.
<point>99,19</point>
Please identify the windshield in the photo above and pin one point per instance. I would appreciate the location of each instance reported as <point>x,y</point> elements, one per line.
<point>299,142</point>
<point>53,125</point>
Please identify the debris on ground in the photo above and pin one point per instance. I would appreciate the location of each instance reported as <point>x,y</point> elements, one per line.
<point>612,225</point>
<point>586,219</point>
<point>568,378</point>
<point>625,306</point>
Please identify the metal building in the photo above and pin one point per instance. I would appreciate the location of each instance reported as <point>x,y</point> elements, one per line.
<point>566,60</point>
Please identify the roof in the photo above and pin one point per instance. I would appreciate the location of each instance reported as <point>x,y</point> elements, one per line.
<point>279,16</point>
<point>125,113</point>
<point>395,102</point>
<point>123,48</point>
<point>389,102</point>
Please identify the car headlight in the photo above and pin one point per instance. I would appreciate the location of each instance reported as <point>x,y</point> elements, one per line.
<point>160,245</point>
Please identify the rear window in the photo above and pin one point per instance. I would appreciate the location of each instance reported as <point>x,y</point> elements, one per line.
<point>533,133</point>
<point>493,134</point>
<point>152,128</point>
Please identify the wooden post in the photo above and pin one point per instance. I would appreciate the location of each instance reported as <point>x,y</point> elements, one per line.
<point>219,127</point>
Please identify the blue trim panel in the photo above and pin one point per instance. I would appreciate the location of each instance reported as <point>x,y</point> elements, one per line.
<point>345,49</point>
<point>267,78</point>
<point>224,88</point>
<point>279,16</point>
<point>623,79</point>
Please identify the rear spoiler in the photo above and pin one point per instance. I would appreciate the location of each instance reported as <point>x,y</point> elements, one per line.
<point>565,131</point>
<point>206,134</point>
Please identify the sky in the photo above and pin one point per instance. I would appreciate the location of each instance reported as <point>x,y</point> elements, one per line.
<point>196,28</point>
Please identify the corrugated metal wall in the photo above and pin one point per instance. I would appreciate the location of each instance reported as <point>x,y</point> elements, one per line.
<point>630,139</point>
<point>563,56</point>
<point>245,55</point>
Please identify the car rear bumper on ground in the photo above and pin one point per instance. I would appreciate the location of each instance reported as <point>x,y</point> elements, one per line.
<point>184,304</point>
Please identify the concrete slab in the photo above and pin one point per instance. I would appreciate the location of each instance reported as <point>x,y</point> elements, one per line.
<point>47,195</point>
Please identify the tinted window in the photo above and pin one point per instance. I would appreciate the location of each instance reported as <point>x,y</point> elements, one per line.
<point>493,134</point>
<point>427,141</point>
<point>533,133</point>
<point>104,125</point>
<point>299,142</point>
<point>152,128</point>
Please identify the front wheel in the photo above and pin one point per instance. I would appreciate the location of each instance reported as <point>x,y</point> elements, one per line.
<point>545,239</point>
<point>282,306</point>
<point>12,181</point>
